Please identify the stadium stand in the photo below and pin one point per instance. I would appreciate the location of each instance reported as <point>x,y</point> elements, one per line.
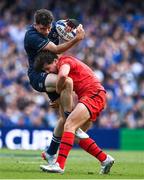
<point>113,48</point>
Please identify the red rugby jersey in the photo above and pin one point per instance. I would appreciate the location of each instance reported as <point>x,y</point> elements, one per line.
<point>84,80</point>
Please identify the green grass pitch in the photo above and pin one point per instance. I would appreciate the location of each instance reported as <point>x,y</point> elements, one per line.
<point>18,164</point>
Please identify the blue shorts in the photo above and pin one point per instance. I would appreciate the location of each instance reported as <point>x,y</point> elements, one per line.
<point>37,81</point>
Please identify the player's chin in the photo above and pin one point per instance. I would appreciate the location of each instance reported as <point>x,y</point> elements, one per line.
<point>54,71</point>
<point>45,34</point>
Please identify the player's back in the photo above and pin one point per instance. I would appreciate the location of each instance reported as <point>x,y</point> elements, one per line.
<point>84,79</point>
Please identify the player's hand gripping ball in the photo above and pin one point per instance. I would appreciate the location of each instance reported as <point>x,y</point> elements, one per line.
<point>67,28</point>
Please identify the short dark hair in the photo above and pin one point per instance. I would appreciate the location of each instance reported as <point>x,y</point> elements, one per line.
<point>42,58</point>
<point>43,16</point>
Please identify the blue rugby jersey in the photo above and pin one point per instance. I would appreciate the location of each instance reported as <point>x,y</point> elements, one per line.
<point>35,41</point>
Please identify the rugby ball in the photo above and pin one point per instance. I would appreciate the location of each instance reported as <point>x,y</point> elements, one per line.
<point>60,27</point>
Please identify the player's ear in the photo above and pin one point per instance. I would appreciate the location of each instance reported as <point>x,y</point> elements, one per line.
<point>55,60</point>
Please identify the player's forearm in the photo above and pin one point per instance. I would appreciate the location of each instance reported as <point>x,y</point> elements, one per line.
<point>58,49</point>
<point>62,76</point>
<point>67,45</point>
<point>60,84</point>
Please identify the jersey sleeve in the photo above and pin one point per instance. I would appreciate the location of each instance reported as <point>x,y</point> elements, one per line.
<point>36,41</point>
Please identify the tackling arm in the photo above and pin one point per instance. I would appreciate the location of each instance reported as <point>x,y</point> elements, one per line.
<point>67,45</point>
<point>62,75</point>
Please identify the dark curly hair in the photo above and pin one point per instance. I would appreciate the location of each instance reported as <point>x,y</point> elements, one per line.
<point>42,58</point>
<point>43,16</point>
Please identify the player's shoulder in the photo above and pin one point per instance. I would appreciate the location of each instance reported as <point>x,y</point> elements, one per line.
<point>67,59</point>
<point>31,32</point>
<point>63,57</point>
<point>30,29</point>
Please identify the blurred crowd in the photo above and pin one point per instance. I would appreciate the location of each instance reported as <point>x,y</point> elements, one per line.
<point>113,48</point>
